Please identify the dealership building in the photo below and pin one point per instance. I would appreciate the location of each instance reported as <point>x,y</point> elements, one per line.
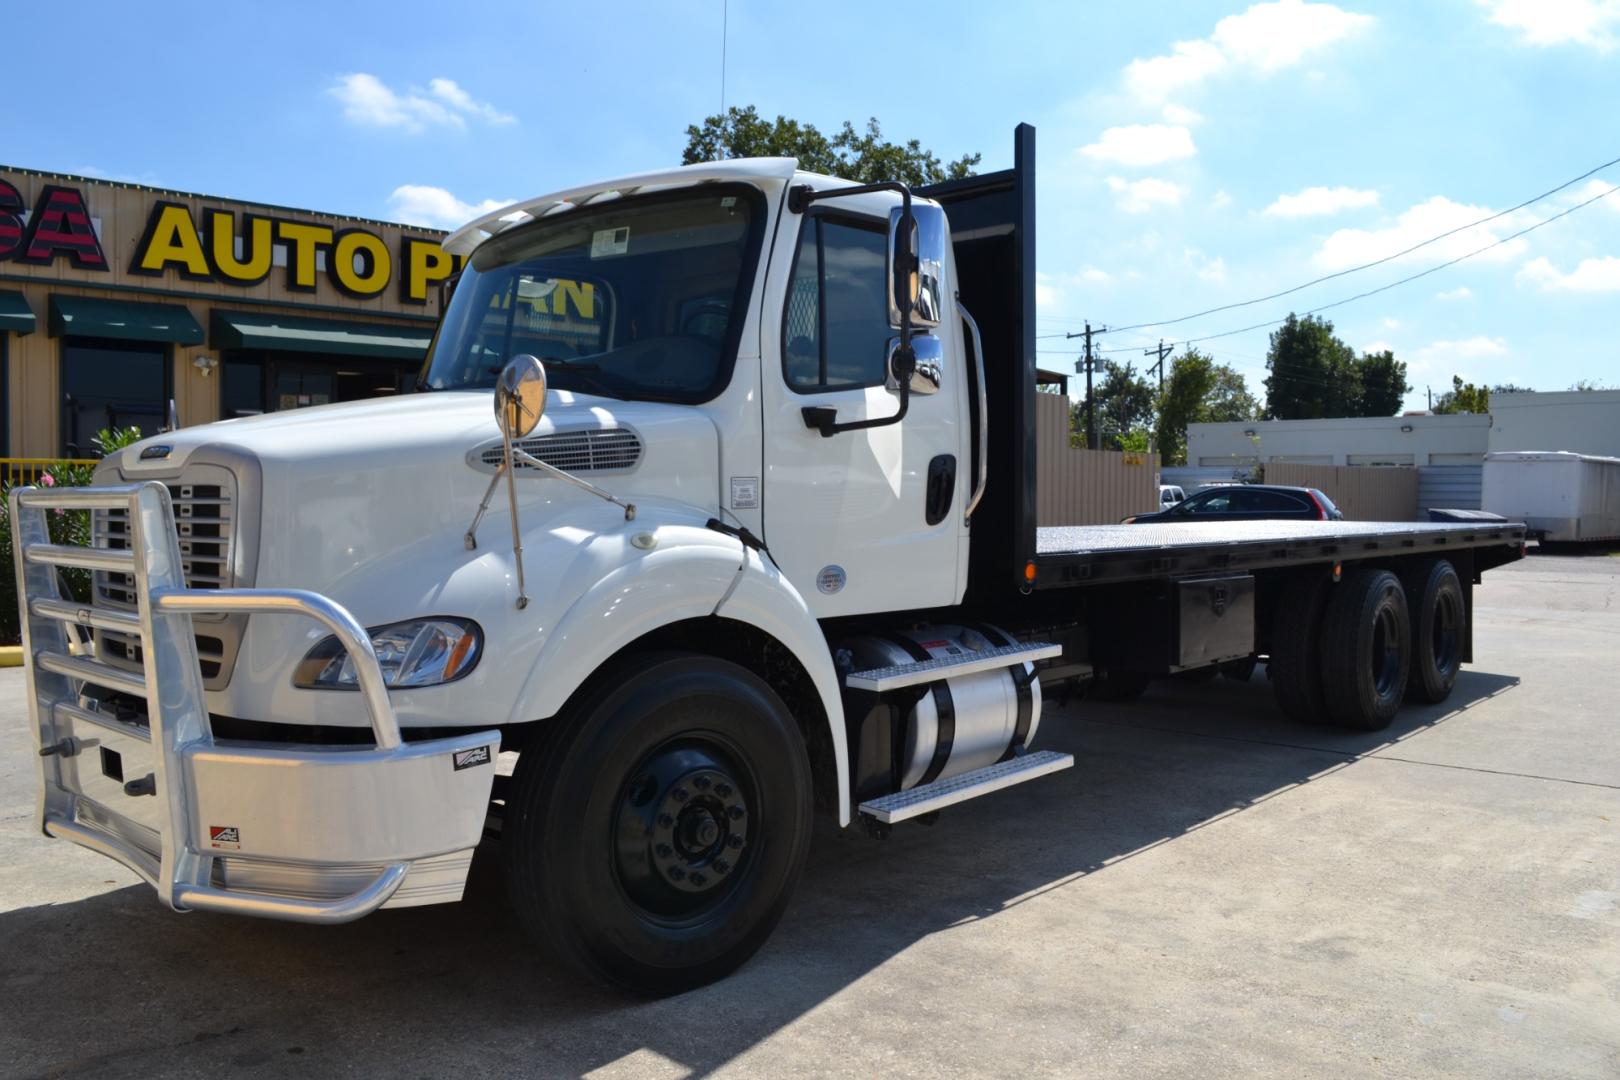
<point>117,298</point>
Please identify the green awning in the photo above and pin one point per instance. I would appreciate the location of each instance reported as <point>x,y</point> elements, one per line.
<point>127,319</point>
<point>15,314</point>
<point>334,337</point>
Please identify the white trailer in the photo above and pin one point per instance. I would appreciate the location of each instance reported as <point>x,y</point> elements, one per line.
<point>1562,497</point>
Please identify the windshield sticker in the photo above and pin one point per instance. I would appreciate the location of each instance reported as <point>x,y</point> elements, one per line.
<point>606,242</point>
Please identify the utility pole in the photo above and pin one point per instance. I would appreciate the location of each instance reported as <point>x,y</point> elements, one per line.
<point>1430,389</point>
<point>1090,365</point>
<point>1161,352</point>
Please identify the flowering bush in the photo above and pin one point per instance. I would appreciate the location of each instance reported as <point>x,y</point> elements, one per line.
<point>65,526</point>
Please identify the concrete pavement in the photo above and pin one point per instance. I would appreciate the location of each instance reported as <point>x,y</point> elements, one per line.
<point>1210,891</point>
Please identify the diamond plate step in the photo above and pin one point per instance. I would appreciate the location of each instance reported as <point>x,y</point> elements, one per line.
<point>925,671</point>
<point>970,785</point>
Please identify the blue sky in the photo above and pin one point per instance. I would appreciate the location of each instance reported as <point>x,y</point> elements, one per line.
<point>1191,155</point>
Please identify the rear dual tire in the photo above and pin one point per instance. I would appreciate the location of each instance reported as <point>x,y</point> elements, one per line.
<point>1439,631</point>
<point>1366,645</point>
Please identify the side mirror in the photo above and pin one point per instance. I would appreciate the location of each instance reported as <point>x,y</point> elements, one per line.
<point>520,396</point>
<point>916,267</point>
<point>927,365</point>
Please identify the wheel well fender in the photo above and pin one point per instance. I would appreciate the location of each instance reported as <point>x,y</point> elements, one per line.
<point>672,584</point>
<point>764,598</point>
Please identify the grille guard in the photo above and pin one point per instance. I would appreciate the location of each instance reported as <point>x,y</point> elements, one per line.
<point>207,808</point>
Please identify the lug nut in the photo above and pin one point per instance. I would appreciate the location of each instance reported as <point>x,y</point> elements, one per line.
<point>701,783</point>
<point>665,851</point>
<point>721,866</point>
<point>665,820</point>
<point>699,879</point>
<point>723,790</point>
<point>676,873</point>
<point>681,794</point>
<point>736,813</point>
<point>735,842</point>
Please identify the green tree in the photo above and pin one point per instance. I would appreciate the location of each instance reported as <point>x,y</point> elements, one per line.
<point>1383,385</point>
<point>1229,398</point>
<point>865,157</point>
<point>1311,372</point>
<point>1124,402</point>
<point>1186,398</point>
<point>1463,397</point>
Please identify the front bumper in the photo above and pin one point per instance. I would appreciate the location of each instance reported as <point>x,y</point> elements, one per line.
<point>302,833</point>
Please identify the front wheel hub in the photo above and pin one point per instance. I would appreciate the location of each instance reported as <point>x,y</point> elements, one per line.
<point>682,829</point>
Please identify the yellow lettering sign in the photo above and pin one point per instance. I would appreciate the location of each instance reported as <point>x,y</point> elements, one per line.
<point>257,249</point>
<point>302,241</point>
<point>426,264</point>
<point>361,265</point>
<point>171,240</point>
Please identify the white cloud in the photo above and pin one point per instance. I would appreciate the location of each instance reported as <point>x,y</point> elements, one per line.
<point>1140,196</point>
<point>1478,347</point>
<point>1590,275</point>
<point>1319,201</point>
<point>1557,22</point>
<point>1056,292</point>
<point>1352,247</point>
<point>1142,144</point>
<point>370,102</point>
<point>1391,324</point>
<point>1265,38</point>
<point>1220,200</point>
<point>1461,292</point>
<point>1209,269</point>
<point>418,204</point>
<point>1180,114</point>
<point>448,91</point>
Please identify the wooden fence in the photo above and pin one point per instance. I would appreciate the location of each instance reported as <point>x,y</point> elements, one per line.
<point>1363,492</point>
<point>1086,487</point>
<point>25,470</point>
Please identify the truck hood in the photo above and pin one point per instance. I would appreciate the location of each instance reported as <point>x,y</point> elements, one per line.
<point>341,489</point>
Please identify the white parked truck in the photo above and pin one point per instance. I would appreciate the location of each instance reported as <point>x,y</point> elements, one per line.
<point>751,536</point>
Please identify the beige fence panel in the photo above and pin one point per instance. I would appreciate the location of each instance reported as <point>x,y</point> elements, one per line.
<point>1363,492</point>
<point>1086,487</point>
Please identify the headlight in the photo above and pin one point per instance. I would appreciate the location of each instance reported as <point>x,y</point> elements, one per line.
<point>420,652</point>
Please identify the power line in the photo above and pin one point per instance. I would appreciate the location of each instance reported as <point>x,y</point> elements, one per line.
<point>1413,277</point>
<point>1379,262</point>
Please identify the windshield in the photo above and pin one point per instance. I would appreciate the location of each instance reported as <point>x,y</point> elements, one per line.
<point>637,298</point>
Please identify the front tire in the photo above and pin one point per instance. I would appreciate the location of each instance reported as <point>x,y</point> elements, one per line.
<point>654,842</point>
<point>1366,650</point>
<point>1439,628</point>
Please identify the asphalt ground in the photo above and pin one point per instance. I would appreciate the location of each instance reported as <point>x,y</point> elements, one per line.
<point>1211,891</point>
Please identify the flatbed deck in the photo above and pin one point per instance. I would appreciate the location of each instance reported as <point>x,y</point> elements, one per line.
<point>1087,554</point>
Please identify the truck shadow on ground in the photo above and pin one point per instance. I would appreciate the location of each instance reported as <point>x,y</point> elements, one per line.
<point>117,985</point>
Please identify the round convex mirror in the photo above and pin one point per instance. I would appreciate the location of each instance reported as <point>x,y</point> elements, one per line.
<point>520,395</point>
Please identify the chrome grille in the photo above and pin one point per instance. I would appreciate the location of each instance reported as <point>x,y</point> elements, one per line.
<point>601,450</point>
<point>205,521</point>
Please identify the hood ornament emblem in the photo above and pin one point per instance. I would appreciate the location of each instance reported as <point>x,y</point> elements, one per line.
<point>520,399</point>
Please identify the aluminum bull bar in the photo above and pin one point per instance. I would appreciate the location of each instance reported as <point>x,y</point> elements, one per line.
<point>312,834</point>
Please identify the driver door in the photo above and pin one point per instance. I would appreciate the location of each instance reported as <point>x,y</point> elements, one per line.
<point>849,517</point>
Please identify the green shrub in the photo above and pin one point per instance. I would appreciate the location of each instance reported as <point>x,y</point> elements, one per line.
<point>65,526</point>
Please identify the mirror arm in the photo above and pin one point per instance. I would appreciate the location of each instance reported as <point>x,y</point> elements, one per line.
<point>824,418</point>
<point>551,470</point>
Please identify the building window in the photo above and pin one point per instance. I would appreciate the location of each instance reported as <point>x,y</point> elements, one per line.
<point>835,331</point>
<point>241,386</point>
<point>109,383</point>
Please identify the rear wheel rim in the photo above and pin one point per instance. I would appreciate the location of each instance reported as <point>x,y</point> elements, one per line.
<point>682,829</point>
<point>1446,636</point>
<point>1386,652</point>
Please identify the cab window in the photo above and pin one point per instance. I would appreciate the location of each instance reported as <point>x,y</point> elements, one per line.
<point>835,330</point>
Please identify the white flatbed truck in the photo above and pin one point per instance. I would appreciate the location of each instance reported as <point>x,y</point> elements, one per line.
<point>751,536</point>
